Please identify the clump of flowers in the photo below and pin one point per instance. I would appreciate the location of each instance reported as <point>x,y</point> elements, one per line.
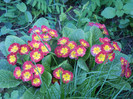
<point>37,49</point>
<point>105,51</point>
<point>65,75</point>
<point>70,49</point>
<point>100,26</point>
<point>125,68</point>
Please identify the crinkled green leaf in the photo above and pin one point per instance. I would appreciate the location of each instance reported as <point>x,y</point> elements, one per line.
<point>32,93</point>
<point>6,66</point>
<point>3,48</point>
<point>119,4</point>
<point>7,80</point>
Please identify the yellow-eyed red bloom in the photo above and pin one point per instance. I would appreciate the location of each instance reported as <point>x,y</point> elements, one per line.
<point>36,81</point>
<point>72,54</point>
<point>46,37</point>
<point>52,33</point>
<point>14,48</point>
<point>36,55</point>
<point>35,44</point>
<point>84,43</point>
<point>44,29</point>
<point>24,49</point>
<point>67,76</point>
<point>64,51</point>
<point>63,41</point>
<point>95,49</point>
<point>12,59</point>
<point>38,69</point>
<point>45,48</point>
<point>36,37</point>
<point>80,51</point>
<point>100,57</point>
<point>27,75</point>
<point>107,47</point>
<point>116,46</point>
<point>72,45</point>
<point>17,73</point>
<point>28,65</point>
<point>57,73</point>
<point>104,40</point>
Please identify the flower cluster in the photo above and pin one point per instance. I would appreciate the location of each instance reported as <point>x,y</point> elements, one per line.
<point>14,49</point>
<point>65,75</point>
<point>100,26</point>
<point>70,48</point>
<point>104,51</point>
<point>37,49</point>
<point>30,72</point>
<point>125,68</point>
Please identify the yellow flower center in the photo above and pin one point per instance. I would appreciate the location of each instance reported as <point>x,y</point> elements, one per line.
<point>38,70</point>
<point>44,49</point>
<point>52,33</point>
<point>107,48</point>
<point>84,44</point>
<point>63,41</point>
<point>37,31</point>
<point>36,45</point>
<point>116,48</point>
<point>46,37</point>
<point>58,73</point>
<point>96,50</point>
<point>37,38</point>
<point>64,51</point>
<point>27,75</point>
<point>66,77</point>
<point>24,50</point>
<point>27,67</point>
<point>36,55</point>
<point>110,56</point>
<point>18,72</point>
<point>14,49</point>
<point>12,58</point>
<point>73,54</point>
<point>43,30</point>
<point>80,51</point>
<point>101,57</point>
<point>71,46</point>
<point>36,81</point>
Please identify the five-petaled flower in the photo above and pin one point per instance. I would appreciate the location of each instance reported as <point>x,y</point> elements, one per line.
<point>24,49</point>
<point>36,81</point>
<point>38,70</point>
<point>14,48</point>
<point>12,58</point>
<point>36,55</point>
<point>27,75</point>
<point>67,76</point>
<point>57,73</point>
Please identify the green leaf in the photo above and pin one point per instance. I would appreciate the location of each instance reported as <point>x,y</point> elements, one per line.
<point>97,2</point>
<point>94,35</point>
<point>62,16</point>
<point>77,12</point>
<point>32,93</point>
<point>22,7</point>
<point>119,4</point>
<point>28,16</point>
<point>4,30</point>
<point>76,35</point>
<point>26,38</point>
<point>6,66</point>
<point>42,21</point>
<point>46,81</point>
<point>109,12</point>
<point>119,13</point>
<point>55,91</point>
<point>12,39</point>
<point>7,80</point>
<point>120,83</point>
<point>46,62</point>
<point>14,94</point>
<point>3,48</point>
<point>81,63</point>
<point>128,8</point>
